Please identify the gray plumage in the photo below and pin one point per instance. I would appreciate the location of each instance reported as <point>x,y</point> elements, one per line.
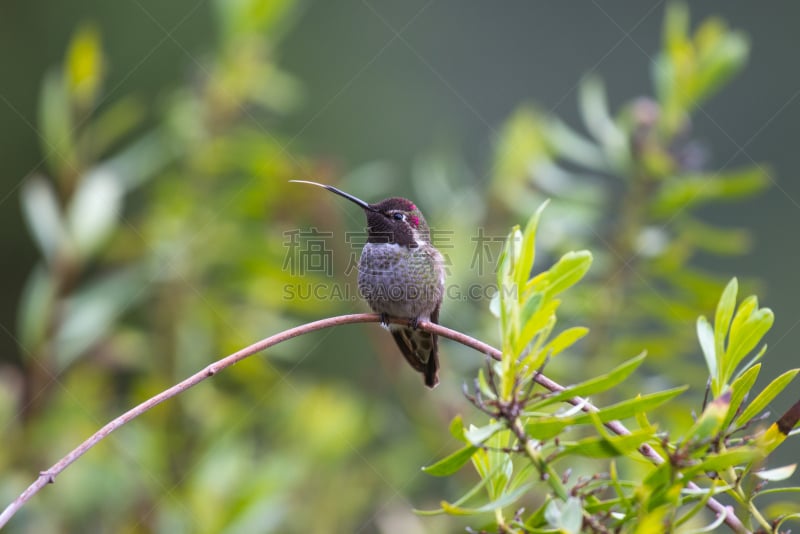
<point>401,274</point>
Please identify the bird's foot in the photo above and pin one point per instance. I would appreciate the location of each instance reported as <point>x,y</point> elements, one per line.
<point>414,322</point>
<point>385,320</point>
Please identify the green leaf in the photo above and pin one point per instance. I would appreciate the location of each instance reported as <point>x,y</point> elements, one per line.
<point>524,263</point>
<point>706,336</point>
<point>522,475</point>
<point>745,336</point>
<point>739,389</point>
<point>681,193</point>
<point>505,286</point>
<point>464,498</point>
<point>546,427</point>
<point>55,124</point>
<point>457,428</point>
<point>521,145</point>
<point>564,340</point>
<point>766,396</point>
<point>530,307</point>
<point>84,65</point>
<point>94,210</point>
<point>43,215</point>
<point>722,319</point>
<point>108,129</point>
<point>536,522</point>
<point>452,463</point>
<point>755,359</point>
<point>90,312</point>
<point>567,516</point>
<point>507,259</point>
<point>540,323</point>
<point>607,446</point>
<point>599,121</point>
<point>483,383</point>
<point>35,308</point>
<point>724,460</point>
<point>504,500</point>
<point>567,271</point>
<point>711,420</point>
<point>722,54</point>
<point>574,147</point>
<point>629,408</point>
<point>597,384</point>
<point>479,434</point>
<point>708,238</point>
<point>676,27</point>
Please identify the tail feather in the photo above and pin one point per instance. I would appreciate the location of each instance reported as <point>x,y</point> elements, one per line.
<point>420,349</point>
<point>432,369</point>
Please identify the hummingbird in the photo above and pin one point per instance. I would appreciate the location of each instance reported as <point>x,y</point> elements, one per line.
<point>401,274</point>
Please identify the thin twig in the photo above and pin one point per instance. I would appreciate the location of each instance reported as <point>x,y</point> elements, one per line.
<point>48,476</point>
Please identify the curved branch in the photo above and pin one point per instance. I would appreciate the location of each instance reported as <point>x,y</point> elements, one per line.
<point>49,476</point>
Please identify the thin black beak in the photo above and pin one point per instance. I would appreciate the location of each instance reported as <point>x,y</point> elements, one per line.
<point>339,192</point>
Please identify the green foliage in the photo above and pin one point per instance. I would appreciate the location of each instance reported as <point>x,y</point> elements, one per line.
<point>156,259</point>
<point>630,191</point>
<point>645,290</point>
<point>162,232</point>
<point>531,445</point>
<point>692,68</point>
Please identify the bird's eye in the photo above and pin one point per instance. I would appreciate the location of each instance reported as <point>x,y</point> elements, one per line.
<point>399,217</point>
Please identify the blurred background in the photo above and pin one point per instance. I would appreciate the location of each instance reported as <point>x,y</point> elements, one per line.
<point>146,149</point>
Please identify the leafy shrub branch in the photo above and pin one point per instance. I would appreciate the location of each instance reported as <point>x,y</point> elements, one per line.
<point>687,472</point>
<point>584,472</point>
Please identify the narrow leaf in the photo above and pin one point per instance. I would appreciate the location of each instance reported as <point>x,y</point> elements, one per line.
<point>524,265</point>
<point>457,428</point>
<point>745,338</point>
<point>724,460</point>
<point>546,427</point>
<point>607,446</point>
<point>504,500</point>
<point>722,319</point>
<point>631,407</point>
<point>478,434</point>
<point>565,339</point>
<point>766,396</point>
<point>452,463</point>
<point>84,65</point>
<point>530,307</point>
<point>739,389</point>
<point>711,420</point>
<point>43,215</point>
<point>464,498</point>
<point>706,336</point>
<point>94,210</point>
<point>598,384</point>
<point>35,306</point>
<point>568,271</point>
<point>483,384</point>
<point>567,516</point>
<point>688,191</point>
<point>540,323</point>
